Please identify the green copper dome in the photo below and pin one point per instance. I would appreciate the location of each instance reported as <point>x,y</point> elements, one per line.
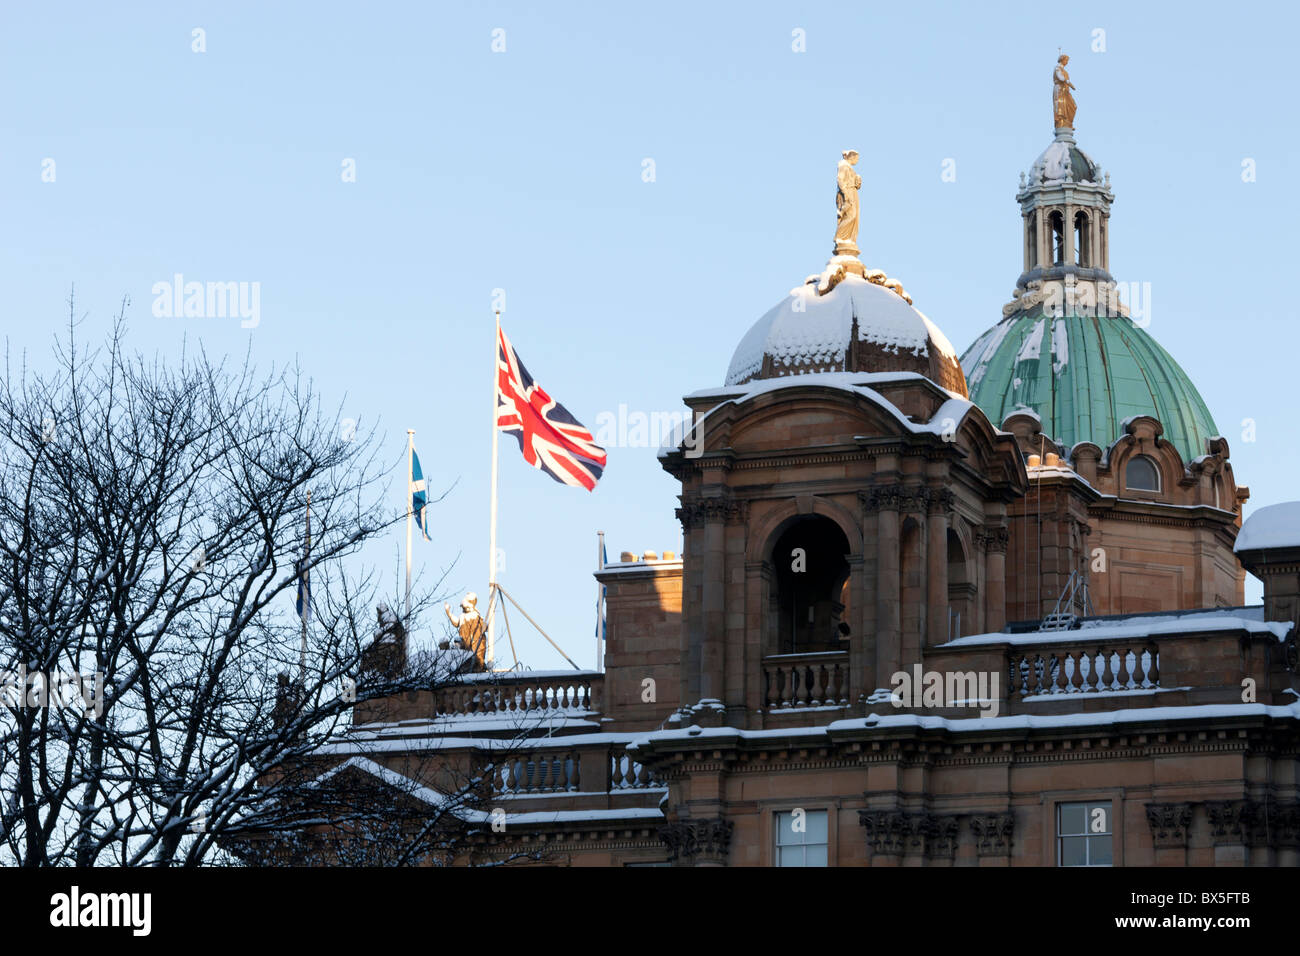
<point>1083,376</point>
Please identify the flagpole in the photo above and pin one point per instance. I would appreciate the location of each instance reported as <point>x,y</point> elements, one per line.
<point>600,603</point>
<point>306,607</point>
<point>492,512</point>
<point>410,466</point>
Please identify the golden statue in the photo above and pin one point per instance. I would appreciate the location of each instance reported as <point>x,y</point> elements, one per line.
<point>1063,105</point>
<point>470,626</point>
<point>846,201</point>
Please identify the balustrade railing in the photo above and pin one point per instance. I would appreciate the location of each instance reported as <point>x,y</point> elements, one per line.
<point>541,771</point>
<point>521,694</point>
<point>806,680</point>
<point>1047,671</point>
<point>627,774</point>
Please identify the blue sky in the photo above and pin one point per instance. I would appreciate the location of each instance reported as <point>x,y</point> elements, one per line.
<point>523,170</point>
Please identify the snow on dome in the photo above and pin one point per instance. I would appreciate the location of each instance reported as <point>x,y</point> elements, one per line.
<point>808,332</point>
<point>1275,526</point>
<point>1063,161</point>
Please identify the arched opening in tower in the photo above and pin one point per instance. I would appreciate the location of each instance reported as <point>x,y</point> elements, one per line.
<point>1082,255</point>
<point>812,584</point>
<point>1057,222</point>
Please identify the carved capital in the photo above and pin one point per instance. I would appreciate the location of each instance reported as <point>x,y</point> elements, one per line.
<point>899,832</point>
<point>887,831</point>
<point>895,498</point>
<point>993,833</point>
<point>1230,821</point>
<point>1169,824</point>
<point>701,511</point>
<point>941,501</point>
<point>994,539</point>
<point>691,839</point>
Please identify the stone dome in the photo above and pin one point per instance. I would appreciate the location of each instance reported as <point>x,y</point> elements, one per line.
<point>1084,376</point>
<point>1063,161</point>
<point>856,326</point>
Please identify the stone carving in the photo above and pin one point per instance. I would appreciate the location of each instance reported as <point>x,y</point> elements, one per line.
<point>1170,823</point>
<point>694,514</point>
<point>993,832</point>
<point>899,832</point>
<point>995,540</point>
<point>688,839</point>
<point>1230,820</point>
<point>941,501</point>
<point>897,498</point>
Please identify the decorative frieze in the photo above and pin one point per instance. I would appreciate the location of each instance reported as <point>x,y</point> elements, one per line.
<point>1170,823</point>
<point>691,839</point>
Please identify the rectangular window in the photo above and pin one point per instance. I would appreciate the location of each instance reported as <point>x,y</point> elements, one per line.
<point>1083,834</point>
<point>801,838</point>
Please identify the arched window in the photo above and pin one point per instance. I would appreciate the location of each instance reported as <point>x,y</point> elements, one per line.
<point>812,575</point>
<point>1032,231</point>
<point>1081,252</point>
<point>1057,223</point>
<point>1141,474</point>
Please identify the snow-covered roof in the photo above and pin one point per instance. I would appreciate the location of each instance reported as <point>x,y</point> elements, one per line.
<point>1274,526</point>
<point>945,420</point>
<point>1248,619</point>
<point>808,328</point>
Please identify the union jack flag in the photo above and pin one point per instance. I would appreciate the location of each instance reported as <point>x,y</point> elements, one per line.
<point>550,438</point>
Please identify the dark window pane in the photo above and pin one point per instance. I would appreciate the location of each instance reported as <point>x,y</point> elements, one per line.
<point>1073,851</point>
<point>1099,853</point>
<point>1072,818</point>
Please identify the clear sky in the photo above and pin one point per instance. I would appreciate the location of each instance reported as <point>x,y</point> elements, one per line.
<point>524,170</point>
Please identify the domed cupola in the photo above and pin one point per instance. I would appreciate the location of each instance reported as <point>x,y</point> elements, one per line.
<point>1067,348</point>
<point>846,319</point>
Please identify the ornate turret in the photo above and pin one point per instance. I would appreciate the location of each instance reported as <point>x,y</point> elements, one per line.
<point>1066,347</point>
<point>1065,206</point>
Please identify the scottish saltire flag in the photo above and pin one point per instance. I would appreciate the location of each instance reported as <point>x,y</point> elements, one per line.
<point>419,496</point>
<point>551,439</point>
<point>303,604</point>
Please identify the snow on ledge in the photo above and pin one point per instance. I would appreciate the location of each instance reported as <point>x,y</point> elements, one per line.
<point>1274,526</point>
<point>1251,620</point>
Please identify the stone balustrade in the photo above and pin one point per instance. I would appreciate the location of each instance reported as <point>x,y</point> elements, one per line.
<point>564,692</point>
<point>806,680</point>
<point>1056,669</point>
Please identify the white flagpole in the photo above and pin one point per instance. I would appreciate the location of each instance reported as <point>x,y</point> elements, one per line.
<point>410,515</point>
<point>600,603</point>
<point>492,519</point>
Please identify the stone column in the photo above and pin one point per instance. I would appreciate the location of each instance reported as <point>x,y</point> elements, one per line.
<point>885,501</point>
<point>713,600</point>
<point>995,579</point>
<point>1044,239</point>
<point>937,605</point>
<point>1069,235</point>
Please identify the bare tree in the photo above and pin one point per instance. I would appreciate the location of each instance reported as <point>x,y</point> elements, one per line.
<point>151,515</point>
